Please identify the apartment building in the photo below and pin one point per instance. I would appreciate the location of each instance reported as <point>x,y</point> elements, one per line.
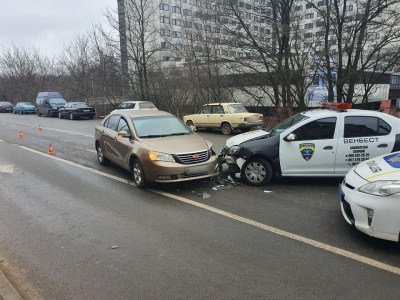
<point>183,30</point>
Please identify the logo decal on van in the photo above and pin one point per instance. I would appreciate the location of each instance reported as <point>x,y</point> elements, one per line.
<point>307,150</point>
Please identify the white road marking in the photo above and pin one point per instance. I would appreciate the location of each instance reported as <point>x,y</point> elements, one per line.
<point>296,237</point>
<point>70,132</point>
<point>90,150</point>
<point>7,169</point>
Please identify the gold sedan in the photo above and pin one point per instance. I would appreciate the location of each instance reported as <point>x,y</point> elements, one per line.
<point>155,146</point>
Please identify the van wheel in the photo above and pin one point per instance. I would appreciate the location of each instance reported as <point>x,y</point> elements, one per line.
<point>104,161</point>
<point>226,128</point>
<point>256,172</point>
<point>138,174</point>
<point>39,114</point>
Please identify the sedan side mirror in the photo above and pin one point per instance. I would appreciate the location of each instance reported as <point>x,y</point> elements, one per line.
<point>123,134</point>
<point>290,137</point>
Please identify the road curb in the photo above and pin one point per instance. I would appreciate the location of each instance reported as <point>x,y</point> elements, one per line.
<point>7,291</point>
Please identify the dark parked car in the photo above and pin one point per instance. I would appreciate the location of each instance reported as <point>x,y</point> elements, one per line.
<point>6,106</point>
<point>76,110</point>
<point>24,108</point>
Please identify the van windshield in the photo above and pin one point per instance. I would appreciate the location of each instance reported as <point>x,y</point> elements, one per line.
<point>286,124</point>
<point>57,101</point>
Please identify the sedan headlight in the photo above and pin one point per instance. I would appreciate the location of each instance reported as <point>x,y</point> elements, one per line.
<point>153,155</point>
<point>381,188</point>
<point>234,150</point>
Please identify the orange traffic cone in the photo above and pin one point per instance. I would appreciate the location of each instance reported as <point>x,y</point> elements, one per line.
<point>21,136</point>
<point>51,151</point>
<point>40,128</point>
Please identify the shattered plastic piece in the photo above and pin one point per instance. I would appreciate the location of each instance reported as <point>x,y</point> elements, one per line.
<point>230,179</point>
<point>205,195</point>
<point>114,247</point>
<point>219,187</point>
<point>267,191</point>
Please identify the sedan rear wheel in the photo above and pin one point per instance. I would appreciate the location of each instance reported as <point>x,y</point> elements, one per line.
<point>256,171</point>
<point>138,174</point>
<point>189,123</point>
<point>104,161</point>
<point>20,112</point>
<point>226,128</point>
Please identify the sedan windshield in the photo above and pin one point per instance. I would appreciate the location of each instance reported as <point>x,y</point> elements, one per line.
<point>158,126</point>
<point>286,124</point>
<point>237,108</point>
<point>26,103</point>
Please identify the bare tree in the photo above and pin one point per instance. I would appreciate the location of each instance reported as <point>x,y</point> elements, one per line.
<point>361,43</point>
<point>24,73</point>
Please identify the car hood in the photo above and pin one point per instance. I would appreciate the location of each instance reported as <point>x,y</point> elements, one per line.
<point>386,167</point>
<point>177,144</point>
<point>245,137</point>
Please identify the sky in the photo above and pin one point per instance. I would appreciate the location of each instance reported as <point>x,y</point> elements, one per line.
<point>48,25</point>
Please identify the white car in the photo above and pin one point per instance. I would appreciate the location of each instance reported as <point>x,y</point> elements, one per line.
<point>370,197</point>
<point>137,105</point>
<point>320,142</point>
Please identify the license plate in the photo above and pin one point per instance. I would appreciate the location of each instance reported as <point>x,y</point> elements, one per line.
<point>197,169</point>
<point>86,110</point>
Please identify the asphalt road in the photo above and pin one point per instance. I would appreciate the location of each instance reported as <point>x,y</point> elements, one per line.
<point>83,231</point>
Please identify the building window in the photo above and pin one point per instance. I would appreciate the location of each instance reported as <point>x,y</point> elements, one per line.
<point>176,22</point>
<point>309,16</point>
<point>164,6</point>
<point>308,35</point>
<point>298,8</point>
<point>187,24</point>
<point>176,34</point>
<point>308,25</point>
<point>321,3</point>
<point>165,45</point>
<point>165,32</point>
<point>176,9</point>
<point>164,19</point>
<point>187,12</point>
<point>349,8</point>
<point>308,5</point>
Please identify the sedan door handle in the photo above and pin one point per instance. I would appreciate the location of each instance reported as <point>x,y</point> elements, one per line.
<point>382,146</point>
<point>328,148</point>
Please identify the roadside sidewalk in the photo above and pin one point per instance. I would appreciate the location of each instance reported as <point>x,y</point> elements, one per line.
<point>7,291</point>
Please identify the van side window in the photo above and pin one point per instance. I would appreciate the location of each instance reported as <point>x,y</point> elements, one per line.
<point>321,129</point>
<point>365,126</point>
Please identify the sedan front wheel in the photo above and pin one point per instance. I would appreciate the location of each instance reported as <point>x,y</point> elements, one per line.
<point>59,115</point>
<point>256,171</point>
<point>138,174</point>
<point>71,116</point>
